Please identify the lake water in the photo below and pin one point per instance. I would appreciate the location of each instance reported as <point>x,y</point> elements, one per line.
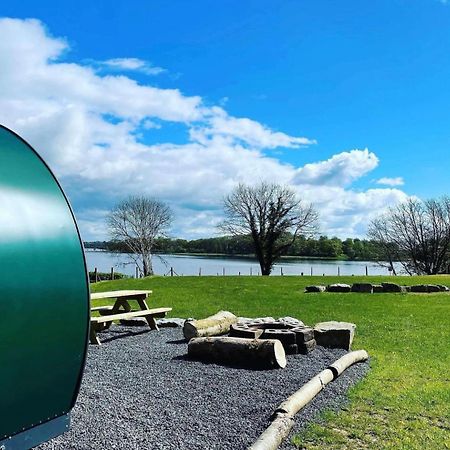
<point>192,265</point>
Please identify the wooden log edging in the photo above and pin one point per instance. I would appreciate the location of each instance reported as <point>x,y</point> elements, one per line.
<point>282,419</point>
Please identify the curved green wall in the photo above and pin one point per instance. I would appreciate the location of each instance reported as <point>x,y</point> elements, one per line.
<point>44,293</point>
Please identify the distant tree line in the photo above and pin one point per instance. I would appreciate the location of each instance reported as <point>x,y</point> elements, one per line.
<point>322,247</point>
<point>269,221</point>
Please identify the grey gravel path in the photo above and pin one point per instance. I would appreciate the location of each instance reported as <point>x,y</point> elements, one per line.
<point>140,392</point>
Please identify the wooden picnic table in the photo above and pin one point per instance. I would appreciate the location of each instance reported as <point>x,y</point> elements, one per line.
<point>122,309</point>
<point>122,303</point>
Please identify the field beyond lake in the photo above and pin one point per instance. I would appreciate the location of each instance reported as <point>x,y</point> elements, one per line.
<point>403,403</point>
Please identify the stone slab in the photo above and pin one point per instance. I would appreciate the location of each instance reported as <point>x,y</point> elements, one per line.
<point>339,287</point>
<point>392,287</point>
<point>315,288</point>
<point>334,334</point>
<point>365,288</point>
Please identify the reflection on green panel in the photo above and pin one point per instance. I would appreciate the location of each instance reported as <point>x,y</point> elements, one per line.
<point>44,294</point>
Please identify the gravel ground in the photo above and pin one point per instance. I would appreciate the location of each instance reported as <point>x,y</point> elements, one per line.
<point>140,392</point>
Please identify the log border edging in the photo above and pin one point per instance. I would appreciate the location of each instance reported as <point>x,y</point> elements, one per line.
<point>282,420</point>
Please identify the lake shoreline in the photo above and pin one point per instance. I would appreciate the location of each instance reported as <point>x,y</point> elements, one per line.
<point>246,256</point>
<point>205,264</point>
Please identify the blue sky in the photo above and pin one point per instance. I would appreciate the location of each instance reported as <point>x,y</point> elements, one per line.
<point>344,76</point>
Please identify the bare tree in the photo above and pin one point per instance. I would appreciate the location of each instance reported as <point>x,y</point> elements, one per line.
<point>417,234</point>
<point>272,215</point>
<point>135,223</point>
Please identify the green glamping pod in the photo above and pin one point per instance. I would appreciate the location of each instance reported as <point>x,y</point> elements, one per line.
<point>44,300</point>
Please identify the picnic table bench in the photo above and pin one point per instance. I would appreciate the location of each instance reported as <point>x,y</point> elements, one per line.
<point>122,309</point>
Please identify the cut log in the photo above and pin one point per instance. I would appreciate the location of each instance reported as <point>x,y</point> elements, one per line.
<point>282,421</point>
<point>215,325</point>
<point>254,353</point>
<point>275,434</point>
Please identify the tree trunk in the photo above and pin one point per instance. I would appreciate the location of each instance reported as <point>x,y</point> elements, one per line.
<point>254,353</point>
<point>147,266</point>
<point>215,325</point>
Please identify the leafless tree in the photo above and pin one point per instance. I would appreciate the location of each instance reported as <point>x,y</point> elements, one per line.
<point>417,234</point>
<point>135,223</point>
<point>272,215</point>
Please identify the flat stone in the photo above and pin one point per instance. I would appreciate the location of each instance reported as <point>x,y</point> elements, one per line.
<point>275,324</point>
<point>366,288</point>
<point>170,323</point>
<point>425,288</point>
<point>263,320</point>
<point>243,331</point>
<point>419,288</point>
<point>392,287</point>
<point>334,334</point>
<point>315,288</point>
<point>339,287</point>
<point>244,320</point>
<point>291,321</point>
<point>377,288</point>
<point>303,334</point>
<point>307,347</point>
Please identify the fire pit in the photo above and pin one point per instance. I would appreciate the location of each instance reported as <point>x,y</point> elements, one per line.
<point>292,333</point>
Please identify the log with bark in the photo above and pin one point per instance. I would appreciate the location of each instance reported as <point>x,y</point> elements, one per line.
<point>253,353</point>
<point>282,419</point>
<point>215,325</point>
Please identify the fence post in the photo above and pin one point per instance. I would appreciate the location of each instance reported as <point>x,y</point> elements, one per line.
<point>112,273</point>
<point>137,272</point>
<point>251,271</point>
<point>95,275</point>
<point>281,271</point>
<point>339,271</point>
<point>311,271</point>
<point>200,272</point>
<point>223,271</point>
<point>367,271</point>
<point>171,271</point>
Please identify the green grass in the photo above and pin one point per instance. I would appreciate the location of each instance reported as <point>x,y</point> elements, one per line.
<point>403,403</point>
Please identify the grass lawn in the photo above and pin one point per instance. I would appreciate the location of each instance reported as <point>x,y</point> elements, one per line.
<point>403,403</point>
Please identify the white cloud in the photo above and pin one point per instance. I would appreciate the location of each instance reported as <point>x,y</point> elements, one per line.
<point>132,64</point>
<point>220,124</point>
<point>397,181</point>
<point>340,170</point>
<point>94,130</point>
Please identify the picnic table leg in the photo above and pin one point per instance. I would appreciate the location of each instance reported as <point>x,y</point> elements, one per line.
<point>93,336</point>
<point>121,305</point>
<point>142,303</point>
<point>152,323</point>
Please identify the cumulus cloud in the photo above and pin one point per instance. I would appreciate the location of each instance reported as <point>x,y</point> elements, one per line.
<point>220,124</point>
<point>340,170</point>
<point>132,64</point>
<point>96,132</point>
<point>397,181</point>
